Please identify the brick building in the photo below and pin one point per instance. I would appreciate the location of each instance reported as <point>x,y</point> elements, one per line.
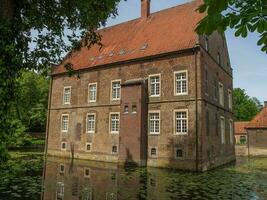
<point>257,133</point>
<point>155,94</point>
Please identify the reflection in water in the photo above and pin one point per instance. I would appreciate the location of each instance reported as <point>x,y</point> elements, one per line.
<point>83,180</point>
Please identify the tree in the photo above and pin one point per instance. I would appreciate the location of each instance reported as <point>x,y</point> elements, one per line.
<point>36,33</point>
<point>32,100</point>
<point>242,15</point>
<point>245,107</point>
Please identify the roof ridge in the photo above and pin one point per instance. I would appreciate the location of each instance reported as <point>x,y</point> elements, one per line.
<point>152,14</point>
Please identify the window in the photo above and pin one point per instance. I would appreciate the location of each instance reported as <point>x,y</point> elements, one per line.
<point>221,94</point>
<point>60,191</point>
<point>215,88</point>
<point>230,99</point>
<point>126,109</point>
<point>154,82</point>
<point>63,145</point>
<point>88,147</point>
<point>153,152</point>
<point>114,149</point>
<point>206,82</point>
<point>181,122</point>
<point>154,122</point>
<point>207,44</point>
<point>216,124</point>
<point>92,92</point>
<point>62,168</point>
<point>231,130</point>
<point>219,58</point>
<point>222,130</point>
<point>180,84</point>
<point>178,153</point>
<point>207,123</point>
<point>66,95</point>
<point>86,172</point>
<point>116,90</point>
<point>64,122</point>
<point>114,122</point>
<point>90,123</point>
<point>134,109</point>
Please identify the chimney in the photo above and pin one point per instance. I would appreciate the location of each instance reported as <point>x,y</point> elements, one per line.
<point>265,103</point>
<point>145,8</point>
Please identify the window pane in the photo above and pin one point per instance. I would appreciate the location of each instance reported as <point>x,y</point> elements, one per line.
<point>181,122</point>
<point>181,83</point>
<point>91,123</point>
<point>155,85</point>
<point>66,95</point>
<point>114,123</point>
<point>65,121</point>
<point>92,92</point>
<point>116,89</point>
<point>154,123</point>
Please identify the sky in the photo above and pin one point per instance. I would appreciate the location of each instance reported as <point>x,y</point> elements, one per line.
<point>248,62</point>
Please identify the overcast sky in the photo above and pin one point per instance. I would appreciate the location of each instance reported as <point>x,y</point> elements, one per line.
<point>248,62</point>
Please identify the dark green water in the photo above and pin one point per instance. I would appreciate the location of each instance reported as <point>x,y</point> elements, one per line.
<point>25,178</point>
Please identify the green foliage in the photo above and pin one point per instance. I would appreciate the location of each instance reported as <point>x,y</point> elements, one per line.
<point>32,100</point>
<point>35,34</point>
<point>242,15</point>
<point>245,107</point>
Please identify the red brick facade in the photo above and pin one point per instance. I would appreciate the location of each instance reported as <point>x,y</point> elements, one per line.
<point>168,129</point>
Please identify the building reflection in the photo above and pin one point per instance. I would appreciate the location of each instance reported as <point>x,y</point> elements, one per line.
<point>85,180</point>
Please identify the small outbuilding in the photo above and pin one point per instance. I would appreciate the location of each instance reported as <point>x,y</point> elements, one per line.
<point>241,132</point>
<point>257,133</point>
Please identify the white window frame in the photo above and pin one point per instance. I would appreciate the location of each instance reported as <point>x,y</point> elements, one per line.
<point>88,143</point>
<point>89,97</point>
<point>207,43</point>
<point>151,76</point>
<point>92,131</point>
<point>231,131</point>
<point>174,121</point>
<point>117,149</point>
<point>61,122</point>
<point>65,146</point>
<point>149,129</point>
<point>175,87</point>
<point>62,171</point>
<point>215,88</point>
<point>61,191</point>
<point>222,129</point>
<point>230,99</point>
<point>110,131</point>
<point>153,147</point>
<point>66,103</point>
<point>111,91</point>
<point>221,94</point>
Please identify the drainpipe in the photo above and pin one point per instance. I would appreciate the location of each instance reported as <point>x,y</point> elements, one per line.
<point>196,104</point>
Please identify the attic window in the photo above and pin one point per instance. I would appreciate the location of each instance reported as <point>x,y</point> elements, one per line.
<point>100,57</point>
<point>144,47</point>
<point>91,58</point>
<point>122,52</point>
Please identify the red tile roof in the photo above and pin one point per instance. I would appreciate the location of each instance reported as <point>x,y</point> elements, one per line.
<point>165,31</point>
<point>260,120</point>
<point>240,128</point>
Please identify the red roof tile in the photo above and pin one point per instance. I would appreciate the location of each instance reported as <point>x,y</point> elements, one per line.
<point>260,120</point>
<point>162,32</point>
<point>240,128</point>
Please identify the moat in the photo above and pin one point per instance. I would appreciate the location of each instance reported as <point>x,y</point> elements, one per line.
<point>27,176</point>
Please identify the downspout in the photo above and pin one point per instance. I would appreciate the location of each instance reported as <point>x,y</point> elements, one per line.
<point>196,104</point>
